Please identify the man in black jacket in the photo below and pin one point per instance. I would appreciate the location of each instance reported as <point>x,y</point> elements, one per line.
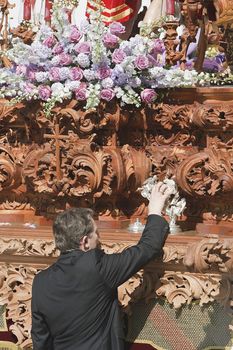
<point>74,301</point>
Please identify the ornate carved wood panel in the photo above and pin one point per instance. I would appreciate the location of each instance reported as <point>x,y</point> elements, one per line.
<point>100,158</point>
<point>193,269</point>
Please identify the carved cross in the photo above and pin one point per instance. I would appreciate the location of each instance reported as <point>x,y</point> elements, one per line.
<point>57,137</point>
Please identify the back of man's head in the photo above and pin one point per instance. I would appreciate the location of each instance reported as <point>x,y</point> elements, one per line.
<point>70,226</point>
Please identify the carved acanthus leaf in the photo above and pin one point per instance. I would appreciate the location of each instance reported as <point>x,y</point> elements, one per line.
<point>214,116</point>
<point>170,116</point>
<point>206,173</point>
<point>27,247</point>
<point>183,288</point>
<point>209,253</point>
<point>15,293</point>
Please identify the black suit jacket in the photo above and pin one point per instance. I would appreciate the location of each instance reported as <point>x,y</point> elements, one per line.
<point>74,301</point>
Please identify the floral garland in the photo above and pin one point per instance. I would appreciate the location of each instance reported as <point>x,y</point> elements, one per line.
<point>90,63</point>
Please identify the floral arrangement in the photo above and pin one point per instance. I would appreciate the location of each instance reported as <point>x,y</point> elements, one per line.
<point>90,64</point>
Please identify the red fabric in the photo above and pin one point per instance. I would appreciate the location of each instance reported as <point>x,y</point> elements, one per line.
<point>117,10</point>
<point>170,7</point>
<point>48,8</point>
<point>27,10</point>
<point>8,335</point>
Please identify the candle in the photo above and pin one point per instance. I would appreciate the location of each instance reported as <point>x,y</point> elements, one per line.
<point>48,8</point>
<point>27,10</point>
<point>170,7</point>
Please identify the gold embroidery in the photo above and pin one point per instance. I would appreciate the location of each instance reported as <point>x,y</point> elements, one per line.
<point>118,16</point>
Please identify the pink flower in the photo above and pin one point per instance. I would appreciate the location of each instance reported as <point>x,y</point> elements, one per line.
<point>65,59</point>
<point>21,69</point>
<point>58,48</point>
<point>75,34</point>
<point>50,41</point>
<point>44,92</point>
<point>31,74</point>
<point>107,94</point>
<point>81,93</point>
<point>141,62</point>
<point>83,47</point>
<point>118,56</point>
<point>148,95</point>
<point>54,74</point>
<point>28,87</point>
<point>110,40</point>
<point>116,28</point>
<point>103,72</point>
<point>158,47</point>
<point>76,73</point>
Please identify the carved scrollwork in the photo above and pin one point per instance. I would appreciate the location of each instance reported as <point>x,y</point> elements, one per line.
<point>15,293</point>
<point>209,254</point>
<point>88,170</point>
<point>181,138</point>
<point>9,170</point>
<point>27,247</point>
<point>173,253</point>
<point>170,116</point>
<point>39,170</point>
<point>206,173</point>
<point>79,121</point>
<point>213,115</point>
<point>182,288</point>
<point>137,166</point>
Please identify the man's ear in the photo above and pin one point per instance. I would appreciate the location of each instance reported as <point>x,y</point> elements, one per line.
<point>84,243</point>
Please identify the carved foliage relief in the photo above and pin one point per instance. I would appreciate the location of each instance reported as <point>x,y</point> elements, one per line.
<point>206,267</point>
<point>103,156</point>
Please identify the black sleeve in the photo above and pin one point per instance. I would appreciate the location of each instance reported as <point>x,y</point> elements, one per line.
<point>41,337</point>
<point>117,268</point>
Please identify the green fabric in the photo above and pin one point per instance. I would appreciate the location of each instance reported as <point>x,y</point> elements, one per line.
<point>3,325</point>
<point>193,327</point>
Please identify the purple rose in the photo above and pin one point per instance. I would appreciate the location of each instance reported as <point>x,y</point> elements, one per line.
<point>116,28</point>
<point>76,73</point>
<point>44,92</point>
<point>210,65</point>
<point>158,47</point>
<point>107,94</point>
<point>21,69</point>
<point>28,87</point>
<point>50,41</point>
<point>75,34</point>
<point>81,93</point>
<point>110,40</point>
<point>58,48</point>
<point>31,74</point>
<point>148,95</point>
<point>65,59</point>
<point>103,72</point>
<point>118,56</point>
<point>83,47</point>
<point>141,62</point>
<point>54,74</point>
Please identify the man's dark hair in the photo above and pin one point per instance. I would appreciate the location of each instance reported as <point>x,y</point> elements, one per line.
<point>70,226</point>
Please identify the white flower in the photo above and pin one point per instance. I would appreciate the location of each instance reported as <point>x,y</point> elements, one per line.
<point>41,77</point>
<point>71,85</point>
<point>107,83</point>
<point>83,60</point>
<point>60,91</point>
